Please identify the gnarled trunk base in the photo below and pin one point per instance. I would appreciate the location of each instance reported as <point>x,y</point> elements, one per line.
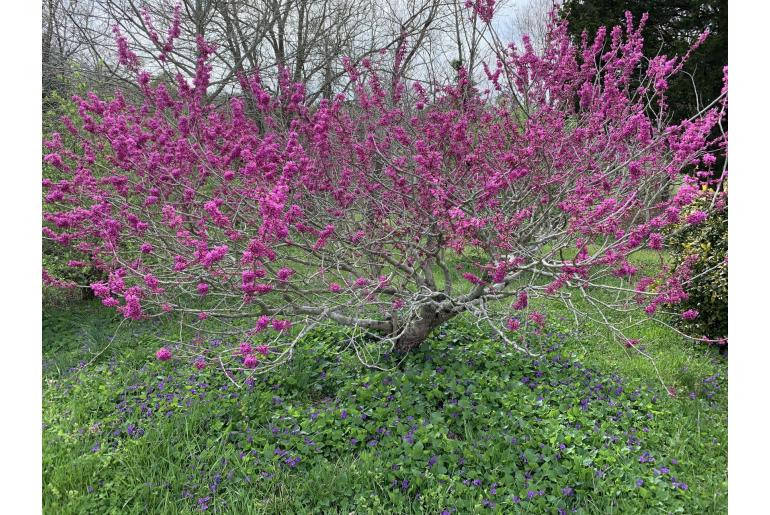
<point>419,330</point>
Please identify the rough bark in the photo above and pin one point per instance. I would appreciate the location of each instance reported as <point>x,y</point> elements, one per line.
<point>419,330</point>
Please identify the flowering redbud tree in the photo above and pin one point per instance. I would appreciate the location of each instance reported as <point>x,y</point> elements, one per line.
<point>391,209</point>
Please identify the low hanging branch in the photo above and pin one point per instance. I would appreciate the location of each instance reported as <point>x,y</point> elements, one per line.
<point>390,211</point>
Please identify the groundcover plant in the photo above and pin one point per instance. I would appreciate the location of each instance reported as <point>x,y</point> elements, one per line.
<point>464,424</point>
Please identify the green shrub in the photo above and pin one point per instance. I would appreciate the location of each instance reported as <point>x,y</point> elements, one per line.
<point>707,291</point>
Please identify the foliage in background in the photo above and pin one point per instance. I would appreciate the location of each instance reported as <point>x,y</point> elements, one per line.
<point>707,290</point>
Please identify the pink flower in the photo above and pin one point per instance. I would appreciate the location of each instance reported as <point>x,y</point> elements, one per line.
<point>262,322</point>
<point>203,288</point>
<point>250,361</point>
<point>200,363</point>
<point>522,301</point>
<point>245,348</point>
<point>690,314</point>
<point>334,288</point>
<point>285,273</point>
<point>281,325</point>
<point>656,241</point>
<point>696,217</point>
<point>203,315</point>
<point>163,354</point>
<point>513,324</point>
<point>632,343</point>
<point>100,290</point>
<point>214,255</point>
<point>263,288</point>
<point>146,248</point>
<point>538,318</point>
<point>263,349</point>
<point>473,279</point>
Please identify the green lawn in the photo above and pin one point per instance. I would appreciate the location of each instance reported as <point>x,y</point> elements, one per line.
<point>464,425</point>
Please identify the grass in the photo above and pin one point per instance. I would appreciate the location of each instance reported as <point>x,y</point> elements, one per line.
<point>463,425</point>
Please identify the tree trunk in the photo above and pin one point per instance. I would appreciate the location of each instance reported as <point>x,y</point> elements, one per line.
<point>419,330</point>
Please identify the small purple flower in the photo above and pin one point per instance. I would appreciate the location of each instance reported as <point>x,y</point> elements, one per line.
<point>568,491</point>
<point>293,462</point>
<point>477,482</point>
<point>203,503</point>
<point>344,414</point>
<point>405,484</point>
<point>640,483</point>
<point>432,461</point>
<point>372,443</point>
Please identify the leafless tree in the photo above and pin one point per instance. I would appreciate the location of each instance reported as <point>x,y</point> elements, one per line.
<point>306,38</point>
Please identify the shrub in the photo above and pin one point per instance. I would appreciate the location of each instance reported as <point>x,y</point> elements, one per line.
<point>707,290</point>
